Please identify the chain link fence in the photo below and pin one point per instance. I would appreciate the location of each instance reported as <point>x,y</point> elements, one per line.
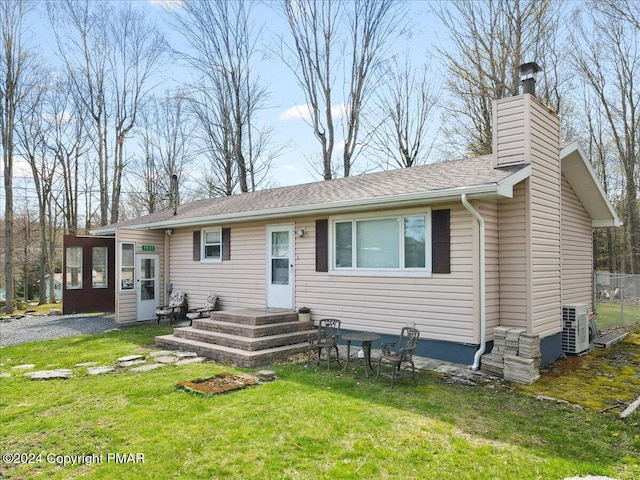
<point>616,299</point>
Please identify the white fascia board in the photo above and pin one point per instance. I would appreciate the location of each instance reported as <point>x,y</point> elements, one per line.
<point>576,149</point>
<point>505,187</point>
<point>397,201</point>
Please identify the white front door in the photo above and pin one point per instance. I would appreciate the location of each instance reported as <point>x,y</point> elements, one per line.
<point>147,286</point>
<point>280,266</point>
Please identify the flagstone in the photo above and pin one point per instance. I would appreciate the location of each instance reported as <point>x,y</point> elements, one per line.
<point>165,359</point>
<point>49,374</point>
<point>185,354</point>
<point>129,358</point>
<point>99,370</point>
<point>5,375</point>
<point>131,363</point>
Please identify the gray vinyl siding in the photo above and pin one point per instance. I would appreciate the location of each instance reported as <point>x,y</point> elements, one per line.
<point>577,249</point>
<point>126,301</point>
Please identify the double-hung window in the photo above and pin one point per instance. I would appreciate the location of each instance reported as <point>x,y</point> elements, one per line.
<point>385,244</point>
<point>127,266</point>
<point>211,245</point>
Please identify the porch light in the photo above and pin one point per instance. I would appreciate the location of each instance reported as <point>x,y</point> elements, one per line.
<point>528,75</point>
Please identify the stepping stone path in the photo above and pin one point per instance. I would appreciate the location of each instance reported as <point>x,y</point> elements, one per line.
<point>99,370</point>
<point>131,363</point>
<point>130,358</point>
<point>50,374</point>
<point>161,358</point>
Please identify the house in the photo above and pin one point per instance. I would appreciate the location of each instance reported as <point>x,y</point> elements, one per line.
<point>455,249</point>
<point>57,287</point>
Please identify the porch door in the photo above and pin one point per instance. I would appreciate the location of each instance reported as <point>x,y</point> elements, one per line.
<point>147,286</point>
<point>280,263</point>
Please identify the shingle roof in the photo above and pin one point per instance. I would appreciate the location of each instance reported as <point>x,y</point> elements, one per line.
<point>427,179</point>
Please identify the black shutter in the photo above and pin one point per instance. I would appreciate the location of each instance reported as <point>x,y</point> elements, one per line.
<point>196,246</point>
<point>226,244</point>
<point>322,245</point>
<point>440,241</point>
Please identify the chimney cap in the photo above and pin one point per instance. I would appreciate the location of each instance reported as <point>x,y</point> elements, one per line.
<point>529,70</point>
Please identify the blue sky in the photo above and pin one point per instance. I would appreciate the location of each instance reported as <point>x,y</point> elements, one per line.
<point>286,103</point>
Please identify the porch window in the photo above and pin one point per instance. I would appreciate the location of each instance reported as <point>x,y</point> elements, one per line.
<point>99,267</point>
<point>127,266</point>
<point>386,244</point>
<point>74,268</point>
<point>212,245</point>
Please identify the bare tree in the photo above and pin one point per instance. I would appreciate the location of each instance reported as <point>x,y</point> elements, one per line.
<point>164,140</point>
<point>223,38</point>
<point>319,49</point>
<point>16,64</point>
<point>490,41</point>
<point>31,145</point>
<point>67,140</point>
<point>110,55</point>
<point>406,104</point>
<point>608,58</point>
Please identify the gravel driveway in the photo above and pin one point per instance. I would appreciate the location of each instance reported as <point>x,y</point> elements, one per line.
<point>33,328</point>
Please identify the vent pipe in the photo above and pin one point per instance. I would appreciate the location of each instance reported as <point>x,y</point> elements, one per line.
<point>528,73</point>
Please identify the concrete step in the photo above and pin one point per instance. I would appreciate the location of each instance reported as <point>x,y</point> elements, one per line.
<point>223,354</point>
<point>251,331</point>
<point>255,316</point>
<point>241,342</point>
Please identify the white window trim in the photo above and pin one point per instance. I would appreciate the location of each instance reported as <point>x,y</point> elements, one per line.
<point>203,237</point>
<point>131,290</point>
<point>382,272</point>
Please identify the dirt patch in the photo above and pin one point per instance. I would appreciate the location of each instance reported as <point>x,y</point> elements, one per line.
<point>220,383</point>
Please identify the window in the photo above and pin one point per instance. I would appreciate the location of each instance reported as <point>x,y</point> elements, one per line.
<point>384,244</point>
<point>212,245</point>
<point>127,266</point>
<point>99,267</point>
<point>74,268</point>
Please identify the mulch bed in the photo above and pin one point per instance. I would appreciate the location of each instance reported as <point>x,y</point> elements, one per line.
<point>220,383</point>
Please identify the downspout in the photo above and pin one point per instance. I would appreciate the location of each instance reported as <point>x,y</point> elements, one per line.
<point>483,320</point>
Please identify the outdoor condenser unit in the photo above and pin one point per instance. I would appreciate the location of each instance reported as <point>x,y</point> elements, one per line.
<point>575,328</point>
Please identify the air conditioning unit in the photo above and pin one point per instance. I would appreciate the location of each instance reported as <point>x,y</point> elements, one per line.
<point>575,328</point>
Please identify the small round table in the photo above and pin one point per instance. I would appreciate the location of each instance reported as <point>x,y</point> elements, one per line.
<point>365,338</point>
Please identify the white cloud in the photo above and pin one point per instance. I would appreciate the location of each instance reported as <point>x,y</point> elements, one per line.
<point>297,112</point>
<point>303,112</point>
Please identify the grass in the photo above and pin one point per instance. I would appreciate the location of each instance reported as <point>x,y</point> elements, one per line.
<point>306,424</point>
<point>609,314</point>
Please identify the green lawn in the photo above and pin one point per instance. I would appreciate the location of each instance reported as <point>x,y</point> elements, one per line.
<point>307,424</point>
<point>610,315</point>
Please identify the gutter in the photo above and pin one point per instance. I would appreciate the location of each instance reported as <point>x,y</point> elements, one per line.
<point>483,320</point>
